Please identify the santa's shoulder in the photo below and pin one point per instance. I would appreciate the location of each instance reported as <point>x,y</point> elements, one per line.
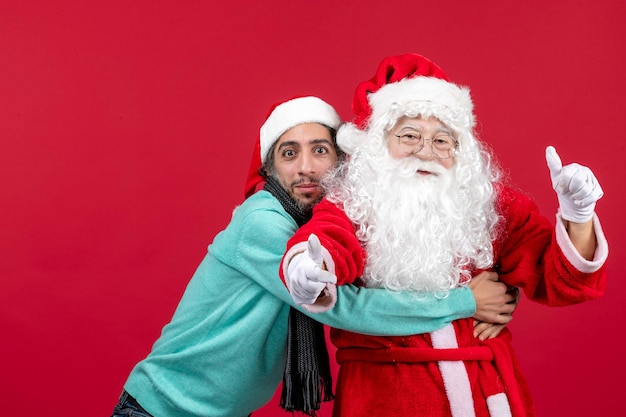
<point>512,201</point>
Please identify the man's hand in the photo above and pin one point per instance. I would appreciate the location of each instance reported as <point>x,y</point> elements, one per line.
<point>576,187</point>
<point>492,298</point>
<point>305,277</point>
<point>485,331</point>
<point>495,303</point>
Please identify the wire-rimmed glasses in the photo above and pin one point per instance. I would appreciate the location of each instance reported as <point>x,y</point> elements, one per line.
<point>442,145</point>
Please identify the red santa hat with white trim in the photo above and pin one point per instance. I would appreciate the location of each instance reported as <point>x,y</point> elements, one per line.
<point>405,85</point>
<point>281,118</point>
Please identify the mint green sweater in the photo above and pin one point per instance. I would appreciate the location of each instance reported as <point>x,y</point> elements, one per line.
<point>223,353</point>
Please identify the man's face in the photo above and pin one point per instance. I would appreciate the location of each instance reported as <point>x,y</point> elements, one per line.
<point>409,127</point>
<point>302,155</point>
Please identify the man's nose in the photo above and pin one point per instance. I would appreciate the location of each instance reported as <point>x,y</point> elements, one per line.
<point>307,164</point>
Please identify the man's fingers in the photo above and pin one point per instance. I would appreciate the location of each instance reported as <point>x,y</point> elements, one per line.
<point>509,298</point>
<point>485,331</point>
<point>507,309</point>
<point>491,332</point>
<point>490,275</point>
<point>480,326</point>
<point>503,319</point>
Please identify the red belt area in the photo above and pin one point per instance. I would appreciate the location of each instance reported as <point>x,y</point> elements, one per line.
<point>414,355</point>
<point>496,367</point>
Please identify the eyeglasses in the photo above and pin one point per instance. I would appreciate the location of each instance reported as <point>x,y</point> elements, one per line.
<point>442,146</point>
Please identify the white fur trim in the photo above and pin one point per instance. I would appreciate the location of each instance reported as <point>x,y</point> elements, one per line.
<point>292,113</point>
<point>498,405</point>
<point>295,250</point>
<point>349,137</point>
<point>444,338</point>
<point>572,255</point>
<point>454,374</point>
<point>427,96</point>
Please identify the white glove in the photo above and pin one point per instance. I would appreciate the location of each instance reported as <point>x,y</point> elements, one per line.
<point>305,277</point>
<point>576,187</point>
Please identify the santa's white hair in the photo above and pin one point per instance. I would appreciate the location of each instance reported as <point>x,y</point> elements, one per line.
<point>421,233</point>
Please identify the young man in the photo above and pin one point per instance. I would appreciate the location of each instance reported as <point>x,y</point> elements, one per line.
<point>420,197</point>
<point>224,351</point>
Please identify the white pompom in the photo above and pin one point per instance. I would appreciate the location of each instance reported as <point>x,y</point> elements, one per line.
<point>349,137</point>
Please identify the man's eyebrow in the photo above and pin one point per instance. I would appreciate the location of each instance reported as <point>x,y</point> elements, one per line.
<point>288,143</point>
<point>320,140</point>
<point>310,142</point>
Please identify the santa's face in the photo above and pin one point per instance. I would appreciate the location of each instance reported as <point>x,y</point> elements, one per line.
<point>302,155</point>
<point>425,221</point>
<point>431,129</point>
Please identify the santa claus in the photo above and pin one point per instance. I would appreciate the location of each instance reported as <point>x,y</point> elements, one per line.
<point>420,206</point>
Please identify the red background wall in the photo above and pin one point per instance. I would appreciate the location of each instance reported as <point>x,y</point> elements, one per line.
<point>126,129</point>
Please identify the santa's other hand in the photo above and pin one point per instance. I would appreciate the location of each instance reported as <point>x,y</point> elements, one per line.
<point>576,187</point>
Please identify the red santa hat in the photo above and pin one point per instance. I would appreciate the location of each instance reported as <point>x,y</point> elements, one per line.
<point>408,84</point>
<point>281,118</point>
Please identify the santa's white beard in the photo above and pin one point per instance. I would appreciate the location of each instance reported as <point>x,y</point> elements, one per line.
<point>420,232</point>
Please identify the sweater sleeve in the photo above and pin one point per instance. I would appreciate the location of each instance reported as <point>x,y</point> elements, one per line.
<point>377,311</point>
<point>529,256</point>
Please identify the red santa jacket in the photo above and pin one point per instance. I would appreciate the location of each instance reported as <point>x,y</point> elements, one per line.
<point>528,253</point>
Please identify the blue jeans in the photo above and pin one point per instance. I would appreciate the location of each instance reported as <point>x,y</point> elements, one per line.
<point>129,407</point>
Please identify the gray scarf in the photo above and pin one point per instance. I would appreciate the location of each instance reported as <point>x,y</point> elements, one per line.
<point>307,380</point>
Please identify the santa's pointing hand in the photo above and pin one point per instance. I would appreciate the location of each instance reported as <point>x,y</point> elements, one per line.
<point>576,187</point>
<point>306,277</point>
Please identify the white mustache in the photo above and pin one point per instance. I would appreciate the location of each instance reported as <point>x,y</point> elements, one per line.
<point>409,166</point>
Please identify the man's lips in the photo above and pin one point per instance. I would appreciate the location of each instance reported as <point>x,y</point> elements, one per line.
<point>307,187</point>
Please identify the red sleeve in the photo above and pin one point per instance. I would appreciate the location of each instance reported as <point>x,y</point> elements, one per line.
<point>337,235</point>
<point>528,256</point>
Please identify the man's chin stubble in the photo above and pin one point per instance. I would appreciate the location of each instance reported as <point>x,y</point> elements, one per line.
<point>306,203</point>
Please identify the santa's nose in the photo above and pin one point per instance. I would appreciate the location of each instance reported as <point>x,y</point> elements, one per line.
<point>425,151</point>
